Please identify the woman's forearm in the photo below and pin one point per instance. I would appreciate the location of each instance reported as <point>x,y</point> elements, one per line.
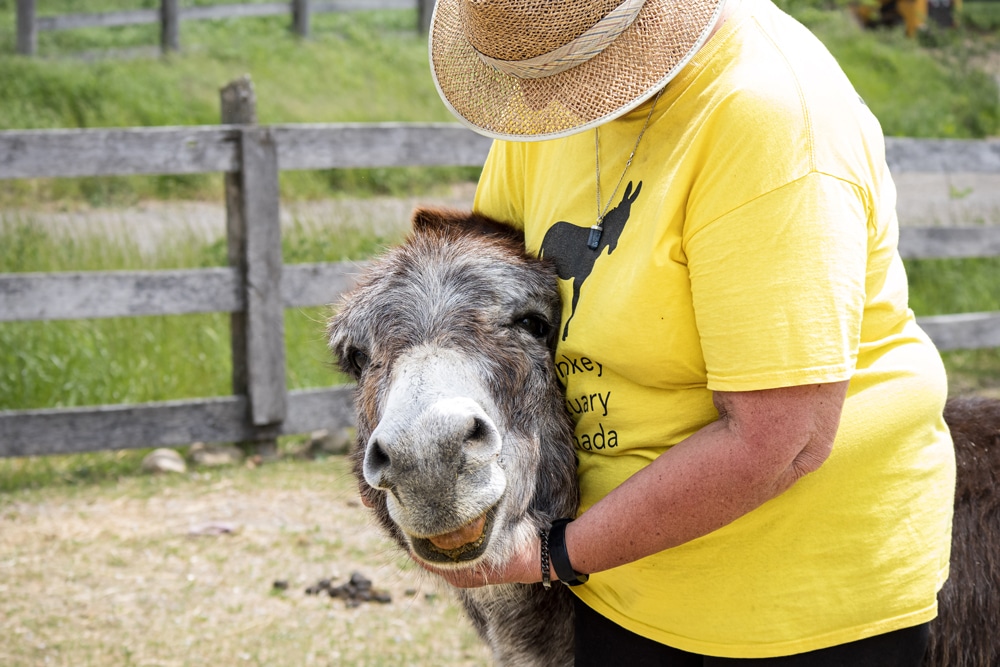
<point>762,443</point>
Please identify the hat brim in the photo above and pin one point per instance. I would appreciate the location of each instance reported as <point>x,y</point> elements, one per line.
<point>663,38</point>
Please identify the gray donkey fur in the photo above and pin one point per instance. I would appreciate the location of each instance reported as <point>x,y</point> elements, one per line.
<point>463,433</point>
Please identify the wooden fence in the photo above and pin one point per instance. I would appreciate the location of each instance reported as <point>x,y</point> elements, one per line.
<point>170,14</point>
<point>256,287</point>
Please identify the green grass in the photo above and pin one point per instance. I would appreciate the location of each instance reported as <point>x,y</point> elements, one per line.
<point>356,67</point>
<point>372,66</point>
<point>926,87</point>
<point>943,286</point>
<point>981,15</point>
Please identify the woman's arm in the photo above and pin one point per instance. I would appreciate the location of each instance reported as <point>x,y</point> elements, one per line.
<point>762,443</point>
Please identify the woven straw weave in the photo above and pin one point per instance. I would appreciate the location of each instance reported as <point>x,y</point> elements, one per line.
<point>664,36</point>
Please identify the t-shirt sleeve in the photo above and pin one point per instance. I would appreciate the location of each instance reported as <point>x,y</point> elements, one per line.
<point>778,286</point>
<point>500,192</point>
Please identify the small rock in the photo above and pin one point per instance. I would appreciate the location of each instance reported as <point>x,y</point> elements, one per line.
<point>215,455</point>
<point>280,585</point>
<point>213,528</point>
<point>327,443</point>
<point>163,460</point>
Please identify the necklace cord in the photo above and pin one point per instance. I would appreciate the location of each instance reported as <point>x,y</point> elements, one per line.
<point>628,163</point>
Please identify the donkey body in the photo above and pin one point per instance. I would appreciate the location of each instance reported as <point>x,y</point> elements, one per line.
<point>465,450</point>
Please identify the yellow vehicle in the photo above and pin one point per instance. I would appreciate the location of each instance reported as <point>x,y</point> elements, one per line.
<point>911,13</point>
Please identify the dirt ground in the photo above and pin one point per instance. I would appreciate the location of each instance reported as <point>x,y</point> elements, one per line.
<point>181,569</point>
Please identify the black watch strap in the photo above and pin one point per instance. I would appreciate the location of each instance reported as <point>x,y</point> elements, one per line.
<point>560,556</point>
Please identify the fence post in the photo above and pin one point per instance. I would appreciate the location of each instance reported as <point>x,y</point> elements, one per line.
<point>170,31</point>
<point>27,30</point>
<point>300,17</point>
<point>425,9</point>
<point>254,248</point>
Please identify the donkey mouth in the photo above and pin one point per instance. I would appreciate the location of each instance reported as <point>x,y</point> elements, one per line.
<point>464,544</point>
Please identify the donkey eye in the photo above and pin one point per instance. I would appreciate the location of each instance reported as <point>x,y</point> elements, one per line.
<point>357,359</point>
<point>536,325</point>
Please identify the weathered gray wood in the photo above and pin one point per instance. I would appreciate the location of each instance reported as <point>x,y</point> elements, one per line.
<point>425,10</point>
<point>378,145</point>
<point>59,296</point>
<point>301,18</point>
<point>238,107</point>
<point>169,423</point>
<point>27,28</point>
<point>94,294</point>
<point>119,151</point>
<point>238,102</point>
<point>265,313</point>
<point>233,11</point>
<point>330,6</point>
<point>183,150</point>
<point>964,331</point>
<point>170,25</point>
<point>98,19</point>
<point>304,285</point>
<point>200,149</point>
<point>905,154</point>
<point>170,16</point>
<point>949,242</point>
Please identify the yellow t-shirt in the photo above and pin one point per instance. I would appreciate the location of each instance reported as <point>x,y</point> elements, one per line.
<point>751,245</point>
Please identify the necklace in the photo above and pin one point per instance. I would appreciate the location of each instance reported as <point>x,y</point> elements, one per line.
<point>594,240</point>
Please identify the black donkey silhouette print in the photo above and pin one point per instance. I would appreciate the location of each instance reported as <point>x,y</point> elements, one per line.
<point>565,244</point>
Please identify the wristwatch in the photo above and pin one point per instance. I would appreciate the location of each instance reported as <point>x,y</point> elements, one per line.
<point>560,556</point>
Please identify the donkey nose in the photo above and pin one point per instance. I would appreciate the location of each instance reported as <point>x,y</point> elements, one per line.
<point>449,436</point>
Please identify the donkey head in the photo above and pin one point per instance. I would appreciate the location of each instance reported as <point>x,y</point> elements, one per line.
<point>462,434</point>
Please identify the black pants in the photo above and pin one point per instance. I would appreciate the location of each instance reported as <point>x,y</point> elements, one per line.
<point>602,643</point>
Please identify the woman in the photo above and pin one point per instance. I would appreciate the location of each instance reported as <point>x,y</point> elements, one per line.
<point>764,468</point>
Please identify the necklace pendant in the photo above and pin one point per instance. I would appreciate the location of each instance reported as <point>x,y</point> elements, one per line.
<point>594,240</point>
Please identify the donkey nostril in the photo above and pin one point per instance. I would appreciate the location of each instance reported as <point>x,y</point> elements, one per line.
<point>378,459</point>
<point>478,431</point>
<point>377,465</point>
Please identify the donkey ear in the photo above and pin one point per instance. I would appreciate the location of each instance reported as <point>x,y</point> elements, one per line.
<point>452,221</point>
<point>629,195</point>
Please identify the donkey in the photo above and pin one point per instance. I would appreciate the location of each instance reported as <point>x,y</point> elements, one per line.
<point>441,335</point>
<point>465,450</point>
<point>965,632</point>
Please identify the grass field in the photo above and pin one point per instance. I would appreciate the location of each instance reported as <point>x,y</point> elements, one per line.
<point>372,66</point>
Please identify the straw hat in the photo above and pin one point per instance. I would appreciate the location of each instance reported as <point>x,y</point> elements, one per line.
<point>539,69</point>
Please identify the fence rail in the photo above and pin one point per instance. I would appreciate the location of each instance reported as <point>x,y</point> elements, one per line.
<point>170,14</point>
<point>257,287</point>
